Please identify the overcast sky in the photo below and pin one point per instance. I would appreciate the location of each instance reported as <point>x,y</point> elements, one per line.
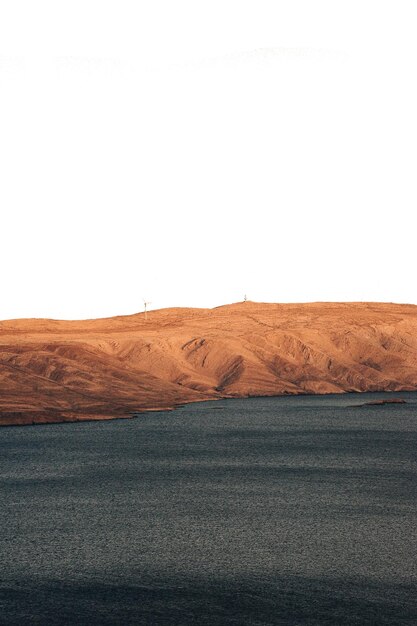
<point>189,153</point>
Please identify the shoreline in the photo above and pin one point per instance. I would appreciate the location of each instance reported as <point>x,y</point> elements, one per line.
<point>71,417</point>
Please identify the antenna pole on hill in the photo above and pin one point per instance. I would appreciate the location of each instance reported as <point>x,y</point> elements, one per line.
<point>146,308</point>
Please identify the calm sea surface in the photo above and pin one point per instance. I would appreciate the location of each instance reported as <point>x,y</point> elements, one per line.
<point>297,510</point>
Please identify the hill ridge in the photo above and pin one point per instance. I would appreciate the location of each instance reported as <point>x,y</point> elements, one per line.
<point>113,367</point>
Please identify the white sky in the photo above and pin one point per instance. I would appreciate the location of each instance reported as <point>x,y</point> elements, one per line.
<point>190,152</point>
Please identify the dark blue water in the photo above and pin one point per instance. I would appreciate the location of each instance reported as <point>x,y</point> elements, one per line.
<point>296,510</point>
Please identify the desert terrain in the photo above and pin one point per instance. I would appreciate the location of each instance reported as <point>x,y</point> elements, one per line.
<point>55,371</point>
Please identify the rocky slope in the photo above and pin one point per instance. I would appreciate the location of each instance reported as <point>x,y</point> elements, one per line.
<point>98,369</point>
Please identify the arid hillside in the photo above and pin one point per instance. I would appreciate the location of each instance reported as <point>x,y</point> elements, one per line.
<point>98,369</point>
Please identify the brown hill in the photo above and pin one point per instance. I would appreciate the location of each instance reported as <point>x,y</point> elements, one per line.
<point>98,369</point>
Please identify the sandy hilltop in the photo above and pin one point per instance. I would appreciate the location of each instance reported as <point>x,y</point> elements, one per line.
<point>99,369</point>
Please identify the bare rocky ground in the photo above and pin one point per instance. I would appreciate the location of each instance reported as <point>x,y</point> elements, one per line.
<point>52,371</point>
